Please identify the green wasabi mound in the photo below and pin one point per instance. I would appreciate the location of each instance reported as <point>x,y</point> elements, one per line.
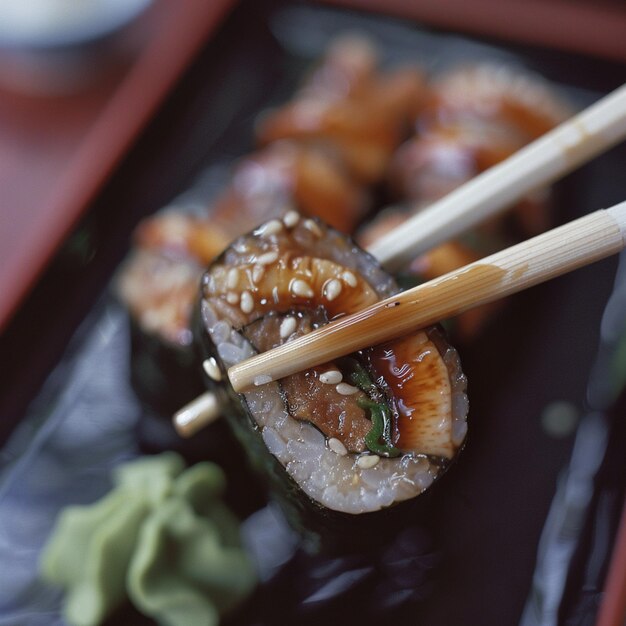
<point>161,538</point>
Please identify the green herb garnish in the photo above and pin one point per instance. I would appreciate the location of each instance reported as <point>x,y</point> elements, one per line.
<point>360,378</point>
<point>378,439</point>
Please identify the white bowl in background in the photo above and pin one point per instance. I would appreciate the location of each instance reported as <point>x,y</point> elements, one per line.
<point>57,46</point>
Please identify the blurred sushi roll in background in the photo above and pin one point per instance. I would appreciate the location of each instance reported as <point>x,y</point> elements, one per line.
<point>472,117</point>
<point>348,107</point>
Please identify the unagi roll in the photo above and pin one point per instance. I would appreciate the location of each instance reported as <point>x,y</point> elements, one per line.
<point>357,435</point>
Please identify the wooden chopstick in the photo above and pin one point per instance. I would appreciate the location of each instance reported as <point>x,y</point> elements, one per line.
<point>200,412</point>
<point>594,130</point>
<point>546,256</point>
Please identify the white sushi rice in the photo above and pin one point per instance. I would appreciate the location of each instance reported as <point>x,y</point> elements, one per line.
<point>335,481</point>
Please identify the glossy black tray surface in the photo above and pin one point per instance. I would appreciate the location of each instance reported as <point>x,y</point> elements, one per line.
<point>478,546</point>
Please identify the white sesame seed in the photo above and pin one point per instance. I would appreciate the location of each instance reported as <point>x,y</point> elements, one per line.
<point>301,288</point>
<point>232,297</point>
<point>233,278</point>
<point>349,278</point>
<point>291,218</point>
<point>313,227</point>
<point>272,227</point>
<point>367,461</point>
<point>332,289</point>
<point>212,369</point>
<point>287,326</point>
<point>247,302</point>
<point>268,258</point>
<point>257,274</point>
<point>346,390</point>
<point>337,447</point>
<point>331,377</point>
<point>262,379</point>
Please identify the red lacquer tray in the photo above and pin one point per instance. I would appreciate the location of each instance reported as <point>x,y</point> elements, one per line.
<point>57,151</point>
<point>587,27</point>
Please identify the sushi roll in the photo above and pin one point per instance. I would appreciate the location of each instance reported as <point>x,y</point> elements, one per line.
<point>350,107</point>
<point>287,173</point>
<point>472,118</point>
<point>159,292</point>
<point>521,103</point>
<point>345,441</point>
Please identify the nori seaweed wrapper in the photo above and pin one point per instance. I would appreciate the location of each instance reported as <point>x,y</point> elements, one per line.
<point>322,528</point>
